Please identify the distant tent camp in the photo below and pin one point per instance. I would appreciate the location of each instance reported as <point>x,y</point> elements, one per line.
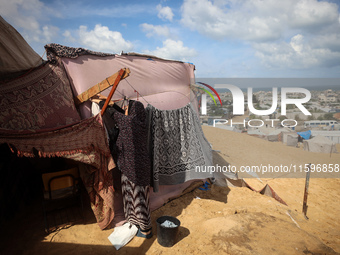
<point>319,144</point>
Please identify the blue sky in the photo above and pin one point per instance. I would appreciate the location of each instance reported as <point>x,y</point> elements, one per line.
<point>223,38</point>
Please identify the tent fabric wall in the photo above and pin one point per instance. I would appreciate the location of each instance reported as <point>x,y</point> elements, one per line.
<point>39,100</point>
<point>273,138</point>
<point>276,136</point>
<point>292,140</point>
<point>164,84</point>
<point>16,55</point>
<point>334,136</point>
<point>266,190</point>
<point>285,136</point>
<point>255,132</point>
<point>319,144</point>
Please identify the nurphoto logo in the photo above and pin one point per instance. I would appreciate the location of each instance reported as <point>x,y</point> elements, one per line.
<point>239,102</point>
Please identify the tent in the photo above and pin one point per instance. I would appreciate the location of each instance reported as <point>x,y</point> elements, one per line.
<point>276,135</point>
<point>285,136</point>
<point>292,139</point>
<point>319,144</point>
<point>40,117</point>
<point>256,132</point>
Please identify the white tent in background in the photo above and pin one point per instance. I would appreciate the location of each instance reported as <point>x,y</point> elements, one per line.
<point>276,135</point>
<point>256,132</point>
<point>286,134</point>
<point>319,144</point>
<point>292,139</point>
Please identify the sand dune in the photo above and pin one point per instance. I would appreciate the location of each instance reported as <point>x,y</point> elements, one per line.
<point>222,220</point>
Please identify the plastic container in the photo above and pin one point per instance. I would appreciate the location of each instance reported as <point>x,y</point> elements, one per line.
<point>166,236</point>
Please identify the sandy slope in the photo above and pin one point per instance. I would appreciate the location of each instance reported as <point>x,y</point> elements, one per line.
<point>222,220</point>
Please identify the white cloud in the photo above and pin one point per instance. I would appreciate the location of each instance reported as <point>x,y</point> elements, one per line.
<point>330,41</point>
<point>27,17</point>
<point>298,53</point>
<point>152,30</point>
<point>50,32</point>
<point>69,36</point>
<point>233,22</point>
<point>31,8</point>
<point>164,13</point>
<point>313,14</point>
<point>297,43</point>
<point>173,50</point>
<point>102,39</point>
<point>285,34</point>
<point>257,20</point>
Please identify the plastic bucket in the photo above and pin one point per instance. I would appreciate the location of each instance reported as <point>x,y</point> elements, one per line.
<point>166,236</point>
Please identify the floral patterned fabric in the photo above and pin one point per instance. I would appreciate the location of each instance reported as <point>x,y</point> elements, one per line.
<point>41,99</point>
<point>54,50</point>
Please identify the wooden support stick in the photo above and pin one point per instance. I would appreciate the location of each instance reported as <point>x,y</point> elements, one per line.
<point>304,207</point>
<point>118,78</point>
<point>99,87</point>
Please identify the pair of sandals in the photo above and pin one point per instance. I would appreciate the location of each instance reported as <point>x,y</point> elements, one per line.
<point>140,234</point>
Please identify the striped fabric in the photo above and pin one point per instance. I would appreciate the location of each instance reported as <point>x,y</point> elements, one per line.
<point>136,203</point>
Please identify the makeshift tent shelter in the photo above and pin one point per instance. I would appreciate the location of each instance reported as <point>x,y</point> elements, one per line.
<point>40,119</point>
<point>291,136</point>
<point>292,139</point>
<point>276,135</point>
<point>334,136</point>
<point>319,144</point>
<point>256,132</point>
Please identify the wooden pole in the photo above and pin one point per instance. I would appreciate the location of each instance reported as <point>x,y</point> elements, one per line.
<point>119,77</point>
<point>304,207</point>
<point>99,87</point>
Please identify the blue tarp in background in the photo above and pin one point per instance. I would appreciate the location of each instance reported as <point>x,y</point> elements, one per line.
<point>305,135</point>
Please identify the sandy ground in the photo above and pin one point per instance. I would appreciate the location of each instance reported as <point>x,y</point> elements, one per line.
<point>221,220</point>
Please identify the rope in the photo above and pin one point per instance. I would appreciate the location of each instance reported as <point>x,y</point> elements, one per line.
<point>143,96</point>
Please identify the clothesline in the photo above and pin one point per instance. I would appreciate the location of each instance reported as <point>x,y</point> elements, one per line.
<point>185,95</point>
<point>143,96</point>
